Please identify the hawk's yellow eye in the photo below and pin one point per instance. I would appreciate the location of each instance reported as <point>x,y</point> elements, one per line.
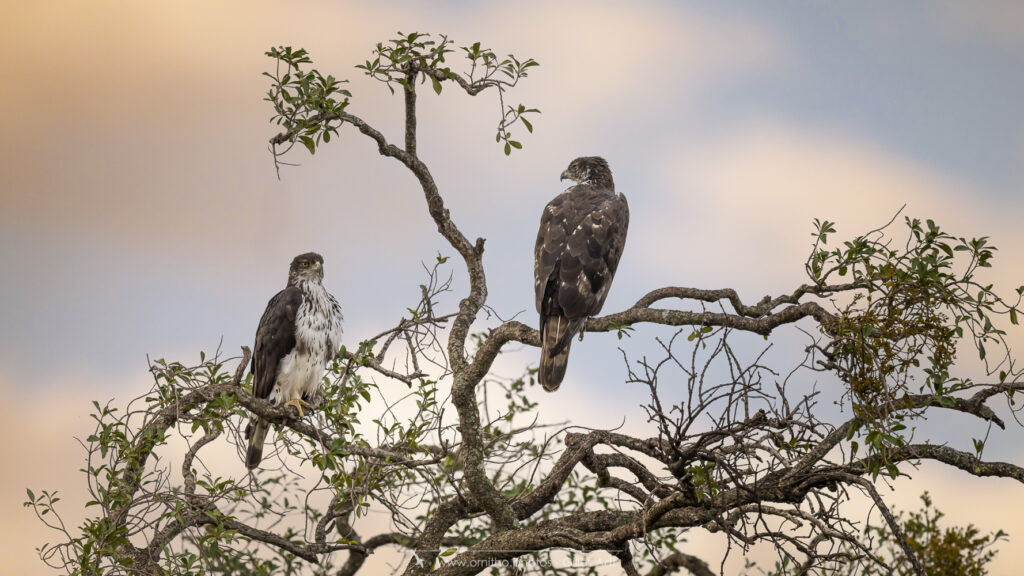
<point>304,264</point>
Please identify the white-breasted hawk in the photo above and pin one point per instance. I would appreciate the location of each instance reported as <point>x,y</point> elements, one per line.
<point>298,336</point>
<point>582,234</point>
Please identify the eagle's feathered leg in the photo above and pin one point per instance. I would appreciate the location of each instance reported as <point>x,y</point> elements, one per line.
<point>556,339</point>
<point>256,433</point>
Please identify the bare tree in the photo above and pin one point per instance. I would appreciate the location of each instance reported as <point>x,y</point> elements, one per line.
<point>734,446</point>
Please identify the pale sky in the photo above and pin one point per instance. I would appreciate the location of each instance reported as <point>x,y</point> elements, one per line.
<point>141,214</point>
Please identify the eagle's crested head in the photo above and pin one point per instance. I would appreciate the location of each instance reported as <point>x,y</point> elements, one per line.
<point>592,170</point>
<point>306,267</point>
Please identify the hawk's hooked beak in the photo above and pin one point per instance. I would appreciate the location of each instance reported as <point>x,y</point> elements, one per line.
<point>565,176</point>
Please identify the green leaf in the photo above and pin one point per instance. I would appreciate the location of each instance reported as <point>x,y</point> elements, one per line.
<point>308,143</point>
<point>31,495</point>
<point>1013,316</point>
<point>437,84</point>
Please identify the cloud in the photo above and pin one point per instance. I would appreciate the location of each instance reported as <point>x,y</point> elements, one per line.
<point>39,452</point>
<point>153,113</point>
<point>598,58</point>
<point>1000,22</point>
<point>742,202</point>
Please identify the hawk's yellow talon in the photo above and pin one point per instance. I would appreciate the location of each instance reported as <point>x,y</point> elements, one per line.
<point>298,403</point>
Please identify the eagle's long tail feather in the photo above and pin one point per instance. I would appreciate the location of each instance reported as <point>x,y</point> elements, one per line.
<point>556,335</point>
<point>256,432</point>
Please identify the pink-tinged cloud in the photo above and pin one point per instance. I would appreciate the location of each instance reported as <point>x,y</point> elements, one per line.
<point>145,122</point>
<point>40,453</point>
<point>755,190</point>
<point>1001,21</point>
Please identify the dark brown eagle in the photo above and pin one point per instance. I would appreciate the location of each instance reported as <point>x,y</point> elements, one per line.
<point>582,234</point>
<point>298,335</point>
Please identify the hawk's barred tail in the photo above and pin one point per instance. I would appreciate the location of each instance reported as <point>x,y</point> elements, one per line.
<point>554,352</point>
<point>256,432</point>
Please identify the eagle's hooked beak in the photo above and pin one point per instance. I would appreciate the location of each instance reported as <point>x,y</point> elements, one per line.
<point>565,175</point>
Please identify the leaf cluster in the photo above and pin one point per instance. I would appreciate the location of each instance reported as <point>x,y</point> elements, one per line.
<point>307,104</point>
<point>915,303</point>
<point>311,107</point>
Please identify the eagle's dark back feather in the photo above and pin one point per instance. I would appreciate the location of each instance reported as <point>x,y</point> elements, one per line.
<point>275,339</point>
<point>579,244</point>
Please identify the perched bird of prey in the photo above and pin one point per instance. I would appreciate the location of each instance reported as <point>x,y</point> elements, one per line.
<point>582,234</point>
<point>298,335</point>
